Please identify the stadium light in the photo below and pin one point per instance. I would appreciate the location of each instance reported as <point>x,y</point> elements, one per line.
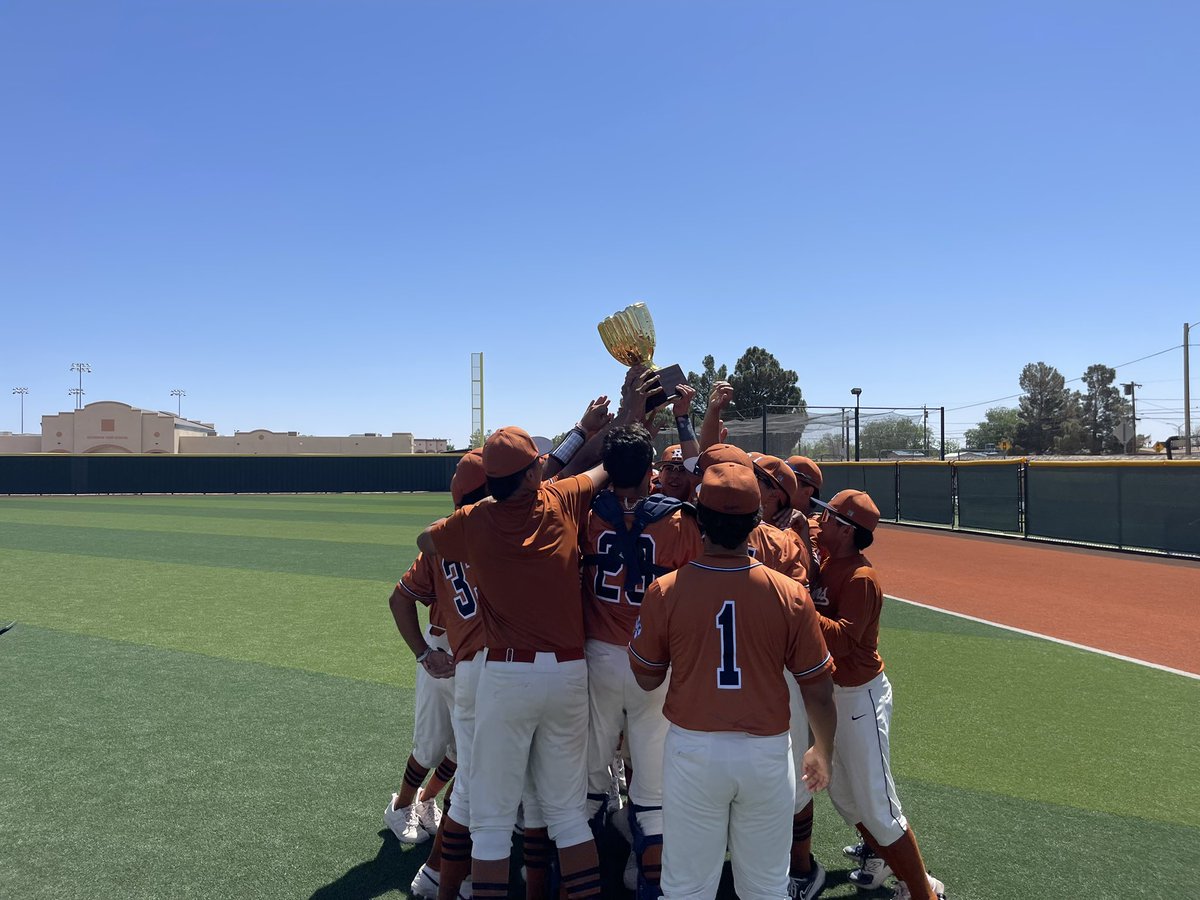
<point>22,391</point>
<point>80,367</point>
<point>178,394</point>
<point>857,392</point>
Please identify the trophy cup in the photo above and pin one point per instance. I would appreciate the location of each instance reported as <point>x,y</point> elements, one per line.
<point>629,336</point>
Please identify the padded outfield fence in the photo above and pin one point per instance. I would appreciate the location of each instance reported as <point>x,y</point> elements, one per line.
<point>180,474</point>
<point>1149,506</point>
<point>1133,505</point>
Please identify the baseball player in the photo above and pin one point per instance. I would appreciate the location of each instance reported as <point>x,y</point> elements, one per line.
<point>728,627</point>
<point>531,703</point>
<point>849,602</point>
<point>673,479</point>
<point>629,540</point>
<point>456,604</point>
<point>412,814</point>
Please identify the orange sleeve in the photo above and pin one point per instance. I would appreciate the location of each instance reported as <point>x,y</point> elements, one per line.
<point>808,657</point>
<point>858,606</point>
<point>574,495</point>
<point>418,581</point>
<point>450,536</point>
<point>649,651</point>
<point>685,545</point>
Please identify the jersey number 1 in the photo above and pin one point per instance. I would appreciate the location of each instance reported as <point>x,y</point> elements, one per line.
<point>729,676</point>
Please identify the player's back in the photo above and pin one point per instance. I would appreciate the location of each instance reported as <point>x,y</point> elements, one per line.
<point>610,608</point>
<point>731,638</point>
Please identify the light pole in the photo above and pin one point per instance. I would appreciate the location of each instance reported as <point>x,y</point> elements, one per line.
<point>77,393</point>
<point>1130,389</point>
<point>80,368</point>
<point>857,392</point>
<point>179,394</point>
<point>22,391</point>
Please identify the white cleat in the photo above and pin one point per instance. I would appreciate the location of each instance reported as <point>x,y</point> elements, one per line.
<point>425,885</point>
<point>429,815</point>
<point>404,822</point>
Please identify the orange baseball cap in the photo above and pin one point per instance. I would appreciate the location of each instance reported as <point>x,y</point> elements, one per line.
<point>779,472</point>
<point>730,488</point>
<point>468,476</point>
<point>674,453</point>
<point>806,470</point>
<point>508,451</point>
<point>855,507</point>
<point>721,453</point>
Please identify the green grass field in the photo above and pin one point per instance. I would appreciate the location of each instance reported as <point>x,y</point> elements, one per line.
<point>205,697</point>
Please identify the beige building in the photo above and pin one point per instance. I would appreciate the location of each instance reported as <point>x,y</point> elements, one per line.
<point>111,427</point>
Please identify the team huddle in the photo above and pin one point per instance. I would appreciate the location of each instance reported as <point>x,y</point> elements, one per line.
<point>701,628</point>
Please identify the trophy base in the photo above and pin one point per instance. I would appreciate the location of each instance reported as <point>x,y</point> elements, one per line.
<point>669,379</point>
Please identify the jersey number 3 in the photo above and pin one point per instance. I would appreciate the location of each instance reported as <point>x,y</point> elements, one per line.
<point>729,676</point>
<point>464,597</point>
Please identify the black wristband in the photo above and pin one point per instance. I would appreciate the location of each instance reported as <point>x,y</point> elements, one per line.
<point>684,424</point>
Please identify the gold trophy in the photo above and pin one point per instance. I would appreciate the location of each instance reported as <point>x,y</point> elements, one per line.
<point>628,334</point>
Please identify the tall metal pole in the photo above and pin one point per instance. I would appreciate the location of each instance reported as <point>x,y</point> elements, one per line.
<point>1131,391</point>
<point>22,391</point>
<point>845,435</point>
<point>1187,396</point>
<point>942,411</point>
<point>80,367</point>
<point>857,392</point>
<point>179,394</point>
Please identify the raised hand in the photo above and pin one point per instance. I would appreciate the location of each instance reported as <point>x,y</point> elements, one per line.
<point>683,400</point>
<point>596,416</point>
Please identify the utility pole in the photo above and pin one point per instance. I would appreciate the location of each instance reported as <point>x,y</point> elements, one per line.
<point>857,392</point>
<point>22,391</point>
<point>1130,392</point>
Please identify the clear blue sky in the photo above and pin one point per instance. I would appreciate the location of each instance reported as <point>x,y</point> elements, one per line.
<point>309,214</point>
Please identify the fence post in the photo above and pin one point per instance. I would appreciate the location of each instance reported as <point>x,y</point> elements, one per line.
<point>764,439</point>
<point>942,411</point>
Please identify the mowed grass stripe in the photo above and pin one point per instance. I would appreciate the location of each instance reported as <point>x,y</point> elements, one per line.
<point>137,773</point>
<point>353,531</point>
<point>333,625</point>
<point>1031,719</point>
<point>384,510</point>
<point>266,554</point>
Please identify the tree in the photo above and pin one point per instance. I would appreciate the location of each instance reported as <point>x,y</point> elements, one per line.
<point>758,380</point>
<point>890,433</point>
<point>477,438</point>
<point>1102,409</point>
<point>827,446</point>
<point>1044,407</point>
<point>703,382</point>
<point>450,447</point>
<point>1000,423</point>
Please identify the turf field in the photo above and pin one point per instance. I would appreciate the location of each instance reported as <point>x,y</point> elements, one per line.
<point>205,697</point>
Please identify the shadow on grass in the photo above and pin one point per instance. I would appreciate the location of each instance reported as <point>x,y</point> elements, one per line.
<point>392,868</point>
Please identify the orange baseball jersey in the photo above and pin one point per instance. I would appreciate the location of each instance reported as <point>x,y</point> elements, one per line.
<point>449,590</point>
<point>609,610</point>
<point>525,559</point>
<point>728,627</point>
<point>779,550</point>
<point>849,600</point>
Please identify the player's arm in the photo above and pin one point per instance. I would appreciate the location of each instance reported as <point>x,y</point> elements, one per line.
<point>718,399</point>
<point>415,587</point>
<point>649,652</point>
<point>822,720</point>
<point>580,448</point>
<point>859,604</point>
<point>689,446</point>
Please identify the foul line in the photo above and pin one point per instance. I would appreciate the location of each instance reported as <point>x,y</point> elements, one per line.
<point>1046,637</point>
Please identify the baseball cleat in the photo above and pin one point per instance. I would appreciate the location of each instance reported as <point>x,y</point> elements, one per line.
<point>425,885</point>
<point>429,815</point>
<point>464,889</point>
<point>629,878</point>
<point>871,873</point>
<point>903,893</point>
<point>856,851</point>
<point>405,823</point>
<point>807,887</point>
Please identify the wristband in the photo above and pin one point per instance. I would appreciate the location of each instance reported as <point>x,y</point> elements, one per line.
<point>421,658</point>
<point>684,424</point>
<point>570,445</point>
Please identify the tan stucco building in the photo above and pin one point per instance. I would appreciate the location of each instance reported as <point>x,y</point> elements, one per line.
<point>111,427</point>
